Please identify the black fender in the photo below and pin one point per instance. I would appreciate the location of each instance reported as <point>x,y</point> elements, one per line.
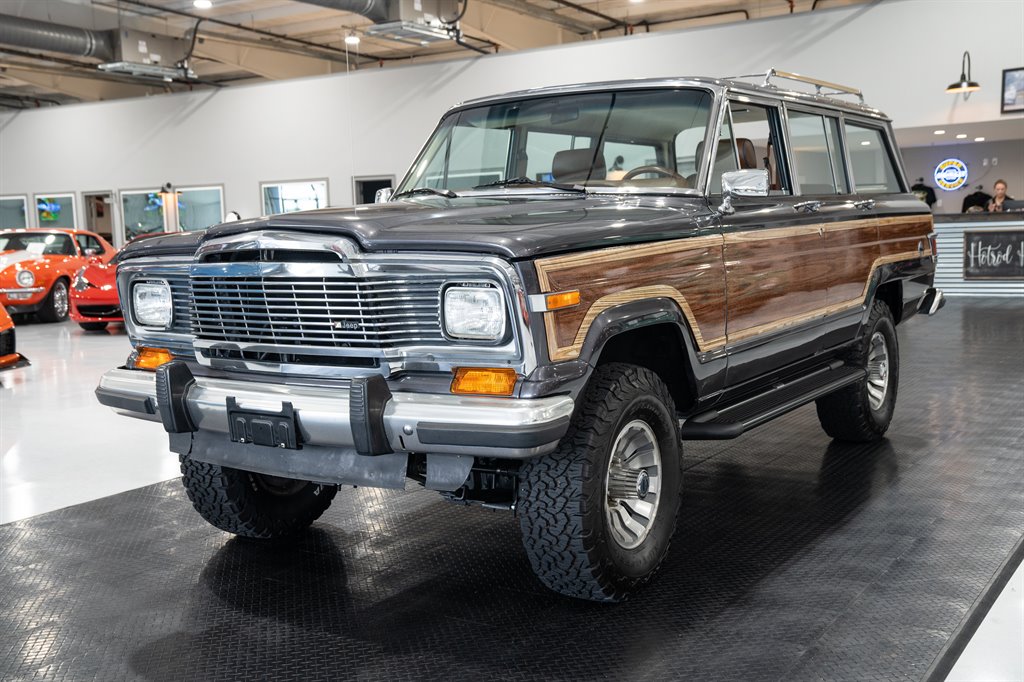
<point>704,375</point>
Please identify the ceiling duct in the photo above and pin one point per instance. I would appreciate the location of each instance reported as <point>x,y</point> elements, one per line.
<point>417,22</point>
<point>374,10</point>
<point>42,35</point>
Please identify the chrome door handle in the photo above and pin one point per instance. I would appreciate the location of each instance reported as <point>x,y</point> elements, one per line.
<point>864,205</point>
<point>808,206</point>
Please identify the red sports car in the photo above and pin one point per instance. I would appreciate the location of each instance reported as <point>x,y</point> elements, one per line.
<point>9,358</point>
<point>94,301</point>
<point>37,267</point>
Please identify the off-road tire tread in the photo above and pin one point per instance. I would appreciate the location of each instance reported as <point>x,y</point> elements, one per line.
<point>224,498</point>
<point>846,414</point>
<point>552,494</point>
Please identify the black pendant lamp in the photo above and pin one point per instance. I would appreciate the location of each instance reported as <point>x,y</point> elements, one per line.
<point>965,84</point>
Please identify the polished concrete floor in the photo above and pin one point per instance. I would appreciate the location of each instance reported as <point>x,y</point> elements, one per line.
<point>911,502</point>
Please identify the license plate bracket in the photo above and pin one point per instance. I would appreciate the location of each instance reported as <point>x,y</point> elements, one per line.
<point>261,427</point>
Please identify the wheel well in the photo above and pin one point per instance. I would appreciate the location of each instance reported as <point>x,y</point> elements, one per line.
<point>891,293</point>
<point>659,348</point>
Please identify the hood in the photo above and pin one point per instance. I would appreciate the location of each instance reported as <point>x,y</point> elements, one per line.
<point>9,258</point>
<point>512,228</point>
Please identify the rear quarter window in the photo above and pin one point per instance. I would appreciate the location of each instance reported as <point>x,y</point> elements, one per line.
<point>871,160</point>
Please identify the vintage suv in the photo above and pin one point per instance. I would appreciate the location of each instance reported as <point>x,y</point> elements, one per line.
<point>568,285</point>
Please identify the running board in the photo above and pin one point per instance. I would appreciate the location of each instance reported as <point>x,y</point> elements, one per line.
<point>734,420</point>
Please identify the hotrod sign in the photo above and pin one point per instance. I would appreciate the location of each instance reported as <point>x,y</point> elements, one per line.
<point>994,255</point>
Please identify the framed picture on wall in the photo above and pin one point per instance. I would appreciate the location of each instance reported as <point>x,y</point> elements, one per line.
<point>1013,90</point>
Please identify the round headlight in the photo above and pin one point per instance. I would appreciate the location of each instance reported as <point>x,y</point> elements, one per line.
<point>474,310</point>
<point>25,278</point>
<point>152,305</point>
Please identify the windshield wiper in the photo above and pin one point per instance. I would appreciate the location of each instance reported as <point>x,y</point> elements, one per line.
<point>521,180</point>
<point>446,193</point>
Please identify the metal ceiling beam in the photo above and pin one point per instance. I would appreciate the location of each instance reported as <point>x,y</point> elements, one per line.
<point>80,87</point>
<point>268,64</point>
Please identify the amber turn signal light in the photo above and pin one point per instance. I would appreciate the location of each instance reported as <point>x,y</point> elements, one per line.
<point>564,299</point>
<point>484,381</point>
<point>151,358</point>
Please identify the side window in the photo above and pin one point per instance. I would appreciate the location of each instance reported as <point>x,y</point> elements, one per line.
<point>93,243</point>
<point>817,156</point>
<point>752,142</point>
<point>82,244</point>
<point>871,160</point>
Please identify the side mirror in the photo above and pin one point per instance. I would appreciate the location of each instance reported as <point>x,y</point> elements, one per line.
<point>89,253</point>
<point>751,182</point>
<point>382,195</point>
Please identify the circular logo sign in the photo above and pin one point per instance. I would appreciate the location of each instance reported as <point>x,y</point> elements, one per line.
<point>951,174</point>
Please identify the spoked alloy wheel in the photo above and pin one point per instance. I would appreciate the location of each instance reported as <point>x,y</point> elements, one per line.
<point>878,371</point>
<point>633,486</point>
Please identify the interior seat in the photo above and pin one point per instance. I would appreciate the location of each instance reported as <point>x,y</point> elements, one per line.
<point>578,165</point>
<point>723,157</point>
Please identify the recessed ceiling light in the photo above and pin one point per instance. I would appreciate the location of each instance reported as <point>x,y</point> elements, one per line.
<point>636,2</point>
<point>961,136</point>
<point>940,132</point>
<point>865,143</point>
<point>202,4</point>
<point>979,139</point>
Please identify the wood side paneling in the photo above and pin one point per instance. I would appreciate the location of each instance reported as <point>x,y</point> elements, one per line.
<point>688,271</point>
<point>773,274</point>
<point>846,253</point>
<point>770,278</point>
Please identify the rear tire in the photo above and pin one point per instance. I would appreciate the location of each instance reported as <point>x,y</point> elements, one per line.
<point>598,514</point>
<point>93,326</point>
<point>862,412</point>
<point>55,307</point>
<point>253,505</point>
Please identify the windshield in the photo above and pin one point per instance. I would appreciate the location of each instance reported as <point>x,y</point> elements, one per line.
<point>38,243</point>
<point>632,140</point>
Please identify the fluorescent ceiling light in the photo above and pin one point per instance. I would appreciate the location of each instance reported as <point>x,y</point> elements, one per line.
<point>202,4</point>
<point>961,136</point>
<point>940,132</point>
<point>865,143</point>
<point>979,139</point>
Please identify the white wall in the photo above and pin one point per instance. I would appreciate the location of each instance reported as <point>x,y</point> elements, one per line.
<point>902,53</point>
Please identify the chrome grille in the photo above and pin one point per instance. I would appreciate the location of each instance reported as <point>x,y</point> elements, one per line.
<point>348,312</point>
<point>181,298</point>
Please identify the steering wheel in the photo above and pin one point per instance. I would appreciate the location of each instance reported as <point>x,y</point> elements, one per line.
<point>640,170</point>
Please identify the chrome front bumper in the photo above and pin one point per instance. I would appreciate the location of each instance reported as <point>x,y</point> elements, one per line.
<point>412,422</point>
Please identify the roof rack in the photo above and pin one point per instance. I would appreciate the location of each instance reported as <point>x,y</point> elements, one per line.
<point>834,88</point>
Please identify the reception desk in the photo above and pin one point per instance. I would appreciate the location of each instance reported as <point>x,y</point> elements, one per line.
<point>980,254</point>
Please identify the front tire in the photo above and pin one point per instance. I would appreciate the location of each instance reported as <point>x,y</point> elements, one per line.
<point>55,307</point>
<point>598,514</point>
<point>862,412</point>
<point>253,505</point>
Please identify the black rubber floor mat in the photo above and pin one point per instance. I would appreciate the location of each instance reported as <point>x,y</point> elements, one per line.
<point>796,558</point>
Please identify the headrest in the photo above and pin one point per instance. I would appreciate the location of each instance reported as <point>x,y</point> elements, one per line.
<point>748,155</point>
<point>574,165</point>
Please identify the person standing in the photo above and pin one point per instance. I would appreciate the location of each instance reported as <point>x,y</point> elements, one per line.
<point>999,191</point>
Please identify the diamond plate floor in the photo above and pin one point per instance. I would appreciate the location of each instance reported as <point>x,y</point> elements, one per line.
<point>796,559</point>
